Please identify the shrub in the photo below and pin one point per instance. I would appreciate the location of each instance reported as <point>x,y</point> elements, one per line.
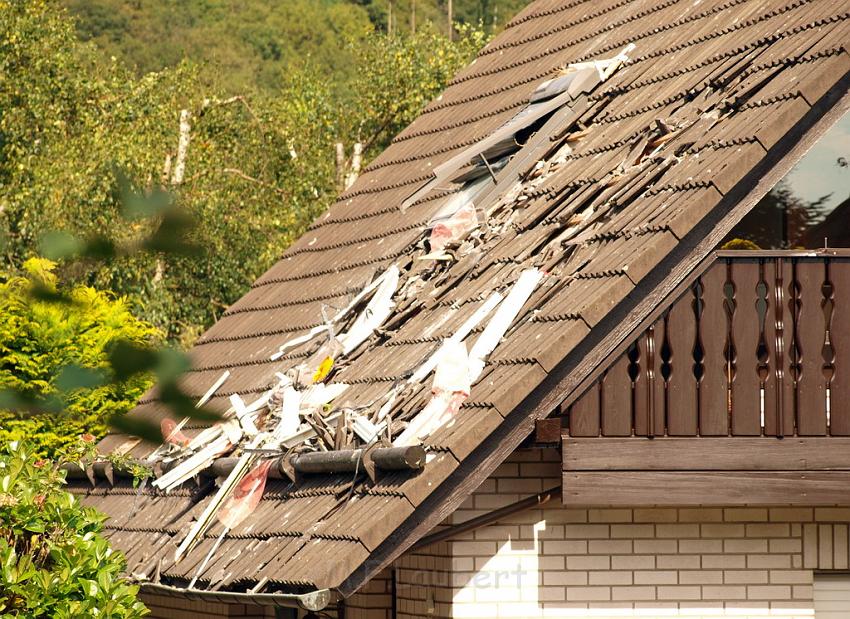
<point>54,562</point>
<point>42,340</point>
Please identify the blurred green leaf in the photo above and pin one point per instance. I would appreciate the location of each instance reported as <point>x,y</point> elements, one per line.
<point>128,359</point>
<point>172,236</point>
<point>137,427</point>
<point>135,205</point>
<point>99,247</point>
<point>58,245</point>
<point>41,292</point>
<point>74,376</point>
<point>171,364</point>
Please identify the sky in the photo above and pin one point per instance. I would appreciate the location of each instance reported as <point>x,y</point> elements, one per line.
<point>818,172</point>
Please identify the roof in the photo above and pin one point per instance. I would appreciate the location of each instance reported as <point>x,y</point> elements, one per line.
<point>613,197</point>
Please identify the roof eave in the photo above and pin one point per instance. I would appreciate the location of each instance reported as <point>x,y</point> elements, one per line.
<point>310,601</point>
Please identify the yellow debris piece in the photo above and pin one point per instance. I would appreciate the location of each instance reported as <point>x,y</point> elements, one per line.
<point>323,370</point>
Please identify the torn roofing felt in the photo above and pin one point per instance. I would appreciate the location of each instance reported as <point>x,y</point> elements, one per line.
<point>561,229</point>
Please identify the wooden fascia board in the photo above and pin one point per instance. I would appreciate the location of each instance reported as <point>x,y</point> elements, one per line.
<point>691,488</point>
<point>563,381</point>
<point>706,454</point>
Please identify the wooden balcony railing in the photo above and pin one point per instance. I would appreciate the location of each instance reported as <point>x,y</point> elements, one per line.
<point>758,345</point>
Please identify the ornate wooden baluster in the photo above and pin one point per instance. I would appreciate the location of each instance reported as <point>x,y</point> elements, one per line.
<point>649,391</point>
<point>777,390</point>
<point>743,348</point>
<point>682,341</point>
<point>650,379</point>
<point>810,330</point>
<point>617,399</point>
<point>763,351</point>
<point>840,337</point>
<point>638,419</point>
<point>713,329</point>
<point>794,353</point>
<point>779,342</point>
<point>827,350</point>
<point>730,350</point>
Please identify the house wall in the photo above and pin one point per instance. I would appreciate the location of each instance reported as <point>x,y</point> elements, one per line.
<point>373,600</point>
<point>170,607</point>
<point>637,562</point>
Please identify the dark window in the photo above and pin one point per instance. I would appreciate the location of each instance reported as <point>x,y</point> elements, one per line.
<point>810,207</point>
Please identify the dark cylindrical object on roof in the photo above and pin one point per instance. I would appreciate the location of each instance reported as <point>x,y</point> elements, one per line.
<point>343,461</point>
<point>409,458</point>
<point>399,458</point>
<point>100,468</point>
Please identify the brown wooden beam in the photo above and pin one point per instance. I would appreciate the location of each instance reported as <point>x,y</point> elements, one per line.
<point>706,454</point>
<point>706,488</point>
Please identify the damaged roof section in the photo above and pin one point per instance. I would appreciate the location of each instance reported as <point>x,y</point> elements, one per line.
<point>466,263</point>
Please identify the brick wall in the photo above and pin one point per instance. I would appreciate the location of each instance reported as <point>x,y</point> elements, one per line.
<point>685,562</point>
<point>170,607</point>
<point>424,582</point>
<point>373,600</point>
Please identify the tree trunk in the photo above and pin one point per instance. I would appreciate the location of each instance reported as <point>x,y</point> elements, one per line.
<point>182,148</point>
<point>340,166</point>
<point>356,159</point>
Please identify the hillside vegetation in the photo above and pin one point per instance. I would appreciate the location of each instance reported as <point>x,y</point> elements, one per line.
<point>256,43</point>
<point>81,131</point>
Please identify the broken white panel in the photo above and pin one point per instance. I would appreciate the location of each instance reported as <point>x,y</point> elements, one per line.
<point>374,314</point>
<point>450,389</point>
<point>192,465</point>
<point>431,362</point>
<point>289,417</point>
<point>205,436</point>
<point>339,316</point>
<point>232,430</point>
<point>320,394</point>
<point>464,330</point>
<point>501,321</point>
<point>203,522</point>
<point>441,409</point>
<point>365,429</point>
<point>452,373</point>
<point>211,391</point>
<point>243,415</point>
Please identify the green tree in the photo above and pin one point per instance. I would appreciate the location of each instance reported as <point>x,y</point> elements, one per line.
<point>258,168</point>
<point>54,560</point>
<point>44,345</point>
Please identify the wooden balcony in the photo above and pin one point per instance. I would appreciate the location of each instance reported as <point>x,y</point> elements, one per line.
<point>754,348</point>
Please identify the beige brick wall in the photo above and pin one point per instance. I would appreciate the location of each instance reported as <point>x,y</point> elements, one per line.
<point>670,562</point>
<point>424,585</point>
<point>170,607</point>
<point>373,600</point>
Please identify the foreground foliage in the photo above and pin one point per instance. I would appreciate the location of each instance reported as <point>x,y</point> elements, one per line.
<point>57,351</point>
<point>54,561</point>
